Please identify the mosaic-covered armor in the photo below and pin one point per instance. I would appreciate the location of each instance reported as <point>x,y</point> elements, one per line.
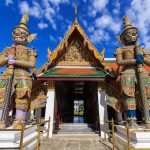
<point>23,60</point>
<point>126,57</point>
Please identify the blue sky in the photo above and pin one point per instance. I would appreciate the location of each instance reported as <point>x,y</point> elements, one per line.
<point>50,19</point>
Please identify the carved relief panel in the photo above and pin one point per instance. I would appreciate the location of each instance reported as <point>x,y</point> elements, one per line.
<point>76,55</point>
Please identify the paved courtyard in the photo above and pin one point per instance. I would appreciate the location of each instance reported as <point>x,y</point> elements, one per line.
<point>74,143</point>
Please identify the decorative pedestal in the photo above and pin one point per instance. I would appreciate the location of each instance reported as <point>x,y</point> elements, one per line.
<point>138,139</point>
<point>11,139</point>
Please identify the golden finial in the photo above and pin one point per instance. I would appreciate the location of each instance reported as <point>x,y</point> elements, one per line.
<point>126,21</point>
<point>103,53</point>
<point>76,15</point>
<point>24,18</point>
<point>76,12</point>
<point>49,55</point>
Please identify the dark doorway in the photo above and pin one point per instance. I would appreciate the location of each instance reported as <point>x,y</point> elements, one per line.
<point>67,92</point>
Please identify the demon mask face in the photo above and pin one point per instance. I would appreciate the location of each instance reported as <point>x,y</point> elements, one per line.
<point>20,36</point>
<point>130,36</point>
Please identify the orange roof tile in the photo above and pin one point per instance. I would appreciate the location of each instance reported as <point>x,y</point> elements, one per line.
<point>74,71</point>
<point>115,67</point>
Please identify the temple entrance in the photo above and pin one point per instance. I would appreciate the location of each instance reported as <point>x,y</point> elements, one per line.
<point>76,103</point>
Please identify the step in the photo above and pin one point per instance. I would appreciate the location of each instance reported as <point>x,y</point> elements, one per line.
<point>75,135</point>
<point>11,139</point>
<point>12,136</point>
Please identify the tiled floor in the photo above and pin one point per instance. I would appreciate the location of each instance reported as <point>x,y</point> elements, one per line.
<point>74,143</point>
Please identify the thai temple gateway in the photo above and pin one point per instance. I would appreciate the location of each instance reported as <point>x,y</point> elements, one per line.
<point>77,86</point>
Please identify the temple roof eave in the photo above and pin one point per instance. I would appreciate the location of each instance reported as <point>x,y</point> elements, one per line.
<point>70,79</point>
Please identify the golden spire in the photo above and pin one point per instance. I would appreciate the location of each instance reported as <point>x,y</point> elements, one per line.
<point>76,15</point>
<point>23,22</point>
<point>126,22</point>
<point>49,54</point>
<point>24,18</point>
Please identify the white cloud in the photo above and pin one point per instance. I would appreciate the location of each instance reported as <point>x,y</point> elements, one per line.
<point>8,2</point>
<point>99,35</point>
<point>97,6</point>
<point>57,2</point>
<point>52,39</point>
<point>35,10</point>
<point>107,22</point>
<point>104,26</point>
<point>90,29</point>
<point>84,22</point>
<point>46,9</point>
<point>49,13</point>
<point>116,9</point>
<point>42,25</point>
<point>139,13</point>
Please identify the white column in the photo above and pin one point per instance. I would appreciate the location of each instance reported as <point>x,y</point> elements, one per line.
<point>32,115</point>
<point>102,110</point>
<point>49,112</point>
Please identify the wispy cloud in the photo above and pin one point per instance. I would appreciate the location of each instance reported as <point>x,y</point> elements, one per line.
<point>116,9</point>
<point>103,27</point>
<point>107,22</point>
<point>58,2</point>
<point>8,2</point>
<point>34,10</point>
<point>52,39</point>
<point>42,25</point>
<point>97,6</point>
<point>99,35</point>
<point>46,9</point>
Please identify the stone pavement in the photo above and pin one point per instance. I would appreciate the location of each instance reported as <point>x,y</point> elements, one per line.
<point>74,143</point>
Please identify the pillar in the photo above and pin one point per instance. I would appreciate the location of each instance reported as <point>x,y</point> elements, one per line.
<point>32,115</point>
<point>102,110</point>
<point>49,111</point>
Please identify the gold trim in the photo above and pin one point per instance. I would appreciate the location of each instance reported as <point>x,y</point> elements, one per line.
<point>64,43</point>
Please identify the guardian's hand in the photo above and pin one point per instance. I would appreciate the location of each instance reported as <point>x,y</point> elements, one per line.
<point>139,59</point>
<point>11,59</point>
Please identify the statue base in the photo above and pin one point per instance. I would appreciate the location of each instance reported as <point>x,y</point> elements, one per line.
<point>138,139</point>
<point>147,125</point>
<point>2,125</point>
<point>11,139</point>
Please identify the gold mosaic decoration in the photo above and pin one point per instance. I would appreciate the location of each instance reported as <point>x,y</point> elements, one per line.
<point>76,55</point>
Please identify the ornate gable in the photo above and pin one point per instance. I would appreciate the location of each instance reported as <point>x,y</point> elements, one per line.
<point>76,55</point>
<point>80,52</point>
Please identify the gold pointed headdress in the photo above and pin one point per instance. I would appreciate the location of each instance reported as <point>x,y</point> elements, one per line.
<point>127,25</point>
<point>23,22</point>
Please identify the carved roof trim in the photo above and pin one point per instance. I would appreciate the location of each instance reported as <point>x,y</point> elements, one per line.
<point>64,43</point>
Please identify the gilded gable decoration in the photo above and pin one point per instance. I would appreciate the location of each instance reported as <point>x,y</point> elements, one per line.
<point>76,56</point>
<point>60,49</point>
